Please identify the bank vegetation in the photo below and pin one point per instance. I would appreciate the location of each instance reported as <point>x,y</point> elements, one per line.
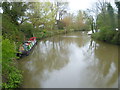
<point>22,20</point>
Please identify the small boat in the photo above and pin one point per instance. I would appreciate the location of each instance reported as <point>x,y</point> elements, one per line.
<point>26,47</point>
<point>89,33</point>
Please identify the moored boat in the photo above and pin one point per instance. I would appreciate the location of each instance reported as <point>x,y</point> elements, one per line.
<point>26,47</point>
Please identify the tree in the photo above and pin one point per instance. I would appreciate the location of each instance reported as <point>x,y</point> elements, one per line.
<point>118,6</point>
<point>68,21</point>
<point>61,9</point>
<point>103,15</point>
<point>81,21</point>
<point>111,16</point>
<point>42,13</point>
<point>15,10</point>
<point>106,18</point>
<point>90,19</point>
<point>98,10</point>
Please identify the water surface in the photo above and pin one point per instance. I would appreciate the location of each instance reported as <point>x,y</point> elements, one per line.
<point>72,60</point>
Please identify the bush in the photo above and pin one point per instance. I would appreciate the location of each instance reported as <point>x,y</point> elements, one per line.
<point>116,38</point>
<point>11,75</point>
<point>110,36</point>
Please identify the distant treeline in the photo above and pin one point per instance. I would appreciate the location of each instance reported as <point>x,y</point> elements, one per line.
<point>22,20</point>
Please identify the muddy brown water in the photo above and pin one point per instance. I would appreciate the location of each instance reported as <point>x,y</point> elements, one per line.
<point>71,60</point>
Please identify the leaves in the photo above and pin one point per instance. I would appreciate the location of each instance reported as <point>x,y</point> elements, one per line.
<point>42,13</point>
<point>8,50</point>
<point>14,76</point>
<point>14,9</point>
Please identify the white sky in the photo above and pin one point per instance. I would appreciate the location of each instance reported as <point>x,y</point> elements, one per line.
<point>76,5</point>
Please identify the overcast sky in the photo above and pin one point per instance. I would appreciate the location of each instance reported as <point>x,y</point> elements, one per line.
<point>76,5</point>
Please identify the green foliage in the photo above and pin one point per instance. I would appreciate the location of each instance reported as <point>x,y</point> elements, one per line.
<point>107,18</point>
<point>106,22</point>
<point>12,76</point>
<point>8,50</point>
<point>116,38</point>
<point>118,6</point>
<point>60,24</point>
<point>13,33</point>
<point>10,30</point>
<point>0,60</point>
<point>27,29</point>
<point>14,9</point>
<point>41,34</point>
<point>109,36</point>
<point>44,13</point>
<point>111,15</point>
<point>81,21</point>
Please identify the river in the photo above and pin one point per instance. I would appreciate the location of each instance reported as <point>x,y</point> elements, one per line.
<point>71,60</point>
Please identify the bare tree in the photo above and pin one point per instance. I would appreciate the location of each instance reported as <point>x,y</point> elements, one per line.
<point>98,9</point>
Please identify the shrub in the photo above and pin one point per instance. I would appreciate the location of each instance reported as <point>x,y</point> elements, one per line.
<point>110,36</point>
<point>116,38</point>
<point>12,76</point>
<point>8,50</point>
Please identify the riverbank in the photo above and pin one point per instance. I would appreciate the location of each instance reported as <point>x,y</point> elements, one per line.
<point>12,36</point>
<point>109,36</point>
<point>11,74</point>
<point>49,33</point>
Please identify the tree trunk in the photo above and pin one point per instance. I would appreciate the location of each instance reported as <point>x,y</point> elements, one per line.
<point>92,28</point>
<point>119,17</point>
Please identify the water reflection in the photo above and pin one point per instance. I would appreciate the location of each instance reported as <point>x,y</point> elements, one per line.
<point>71,61</point>
<point>105,63</point>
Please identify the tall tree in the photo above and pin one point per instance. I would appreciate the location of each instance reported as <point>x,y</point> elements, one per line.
<point>80,20</point>
<point>90,19</point>
<point>61,9</point>
<point>42,13</point>
<point>118,6</point>
<point>111,15</point>
<point>15,10</point>
<point>68,21</point>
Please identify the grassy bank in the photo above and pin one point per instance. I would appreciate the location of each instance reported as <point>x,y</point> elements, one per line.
<point>11,38</point>
<point>109,36</point>
<point>11,75</point>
